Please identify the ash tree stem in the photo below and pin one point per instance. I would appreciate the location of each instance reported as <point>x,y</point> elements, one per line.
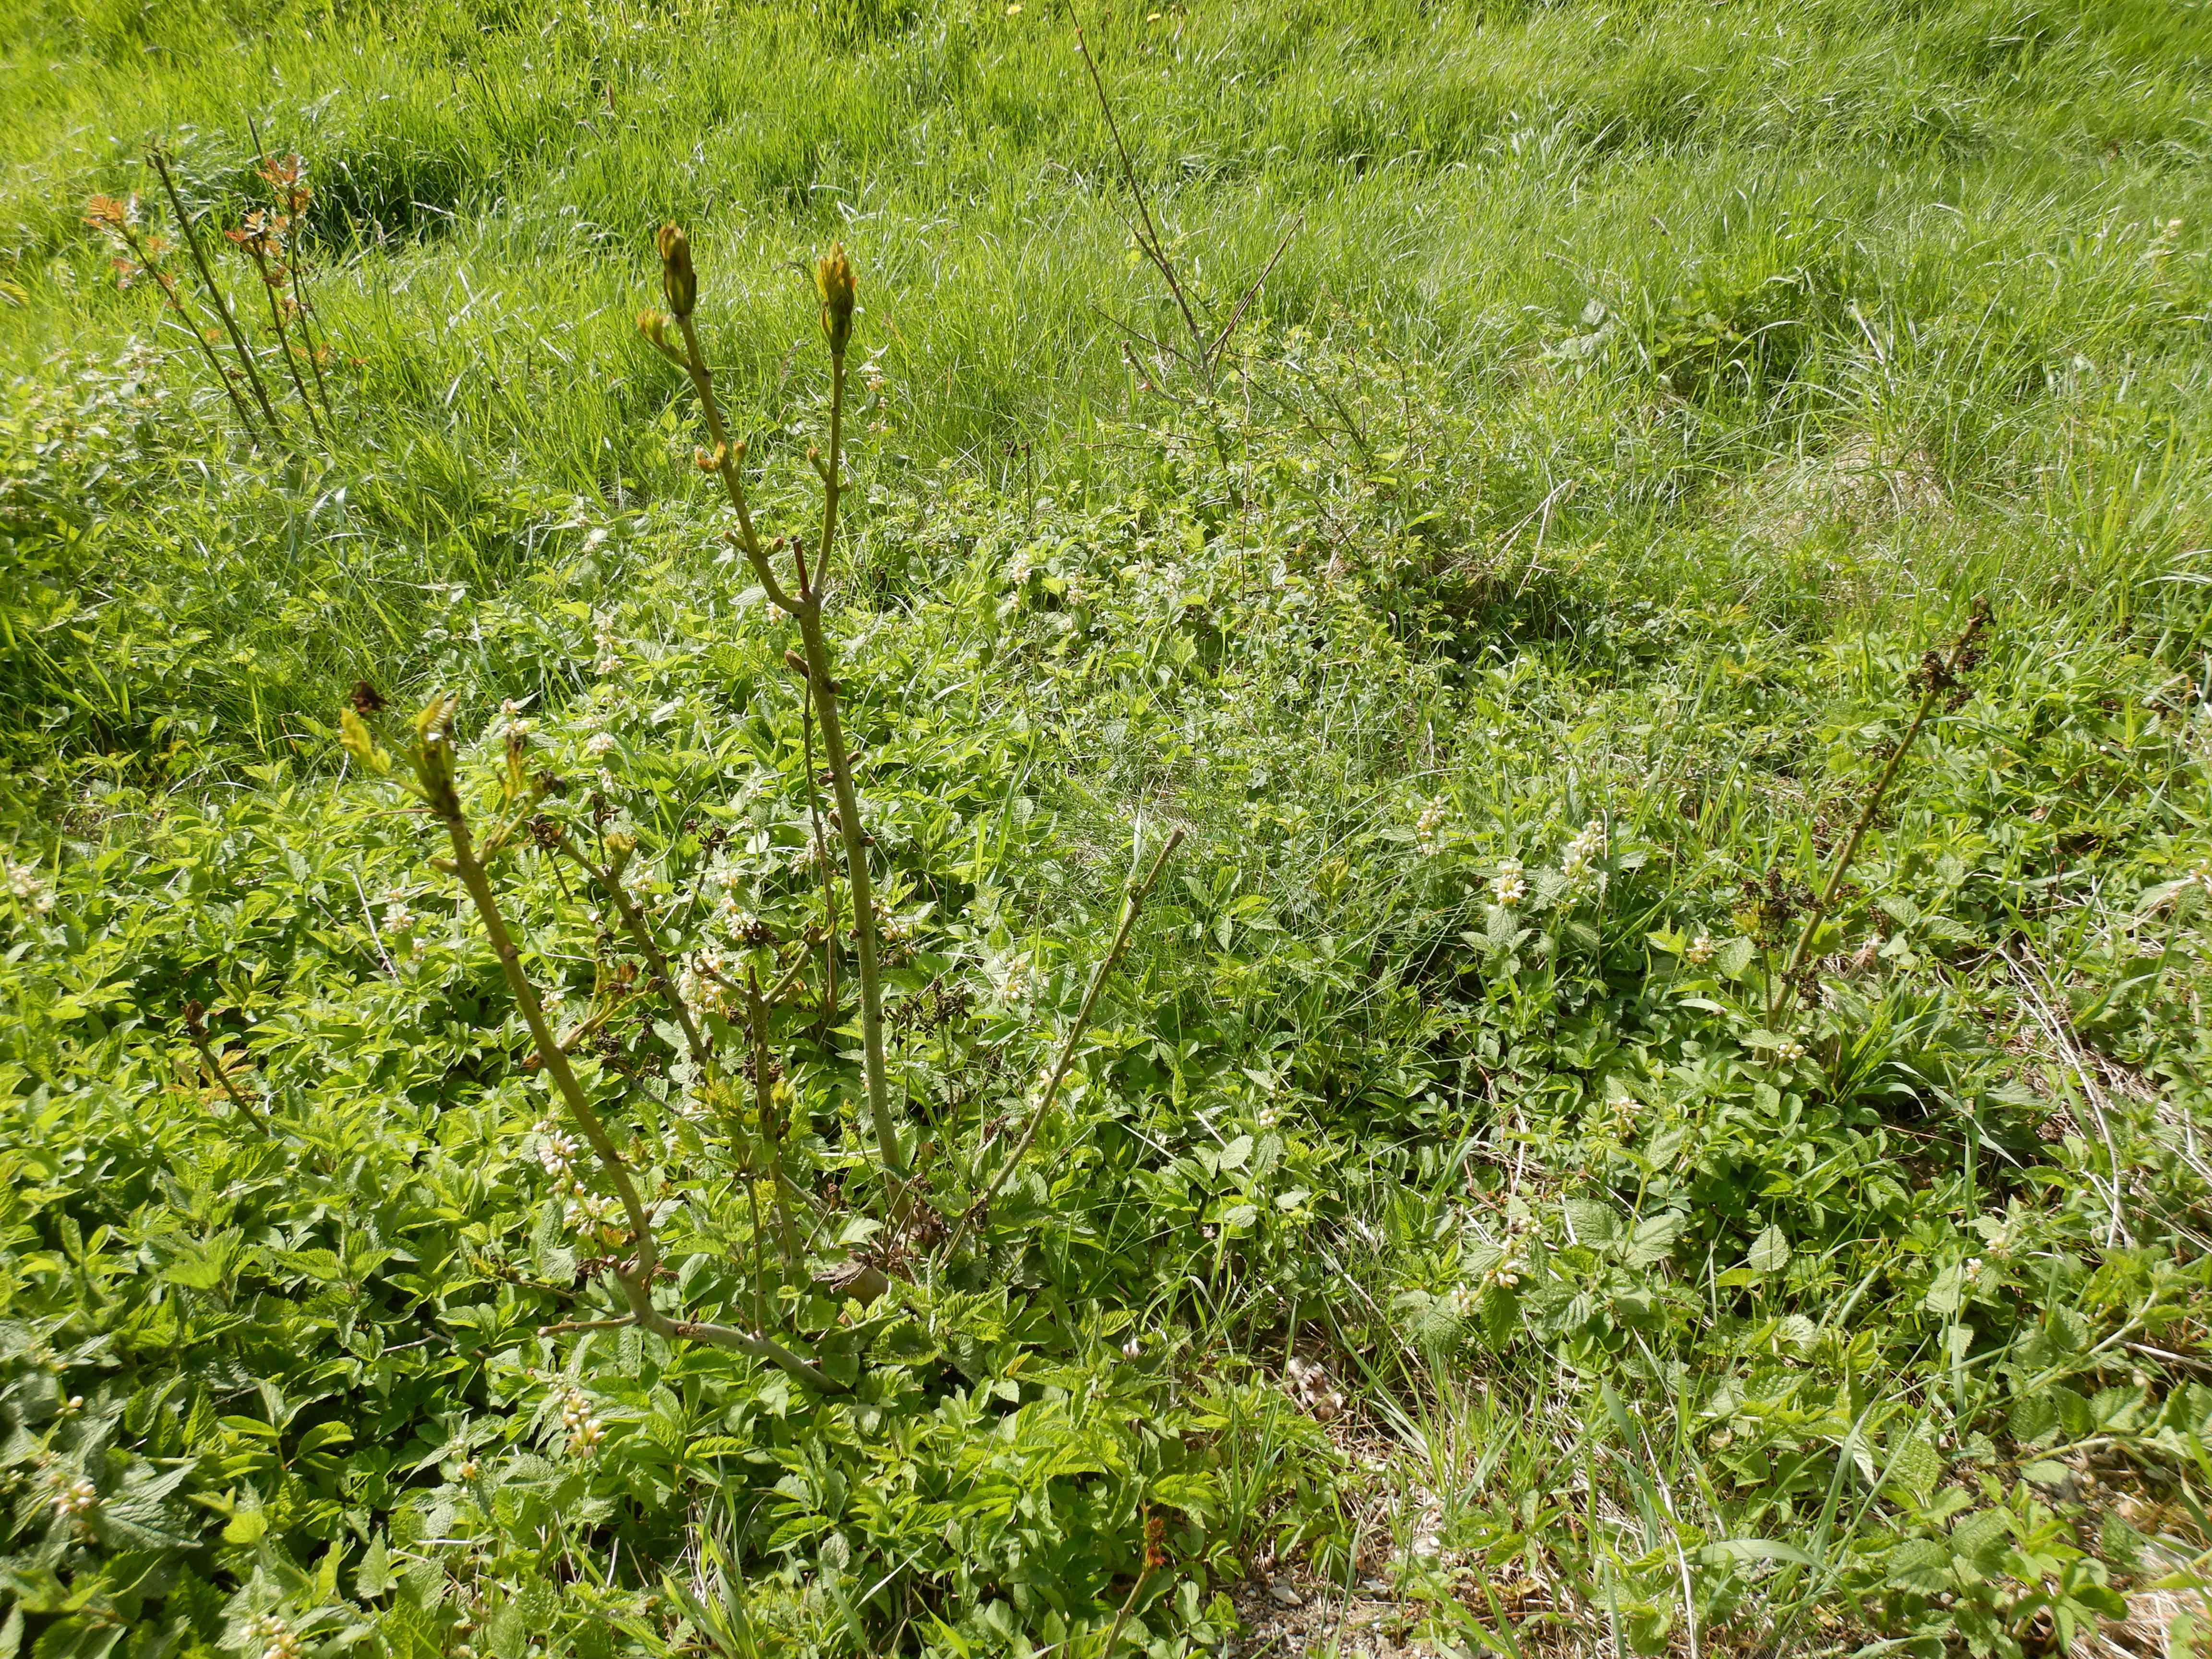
<point>435,768</point>
<point>805,609</point>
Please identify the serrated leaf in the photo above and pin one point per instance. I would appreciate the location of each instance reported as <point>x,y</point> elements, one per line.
<point>1770,1252</point>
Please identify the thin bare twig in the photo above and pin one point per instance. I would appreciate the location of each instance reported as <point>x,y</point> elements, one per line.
<point>1942,674</point>
<point>196,1030</point>
<point>609,880</point>
<point>215,296</point>
<point>1148,237</point>
<point>1131,901</point>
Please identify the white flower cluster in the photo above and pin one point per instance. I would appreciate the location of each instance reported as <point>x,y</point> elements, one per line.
<point>697,983</point>
<point>24,883</point>
<point>1701,950</point>
<point>1013,978</point>
<point>584,1429</point>
<point>1619,1119</point>
<point>1789,1053</point>
<point>398,918</point>
<point>1584,850</point>
<point>1512,1264</point>
<point>599,745</point>
<point>75,1499</point>
<point>610,662</point>
<point>590,1215</point>
<point>511,723</point>
<point>1510,884</point>
<point>1428,832</point>
<point>276,1639</point>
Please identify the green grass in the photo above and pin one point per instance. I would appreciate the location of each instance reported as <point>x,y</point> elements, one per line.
<point>1641,390</point>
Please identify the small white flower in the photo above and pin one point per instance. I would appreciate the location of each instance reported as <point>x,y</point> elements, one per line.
<point>1701,950</point>
<point>278,1640</point>
<point>1585,849</point>
<point>1428,832</point>
<point>398,919</point>
<point>77,1498</point>
<point>591,1213</point>
<point>599,743</point>
<point>23,882</point>
<point>584,1429</point>
<point>1509,885</point>
<point>1788,1053</point>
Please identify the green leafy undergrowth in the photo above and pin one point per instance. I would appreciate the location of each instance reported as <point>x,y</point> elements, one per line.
<point>1450,1063</point>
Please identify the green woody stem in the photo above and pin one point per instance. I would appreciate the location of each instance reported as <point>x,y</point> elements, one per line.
<point>806,609</point>
<point>435,768</point>
<point>817,648</point>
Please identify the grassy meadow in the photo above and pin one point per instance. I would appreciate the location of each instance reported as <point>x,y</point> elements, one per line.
<point>1657,1104</point>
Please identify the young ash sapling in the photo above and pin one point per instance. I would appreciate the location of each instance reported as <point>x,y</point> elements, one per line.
<point>802,601</point>
<point>431,760</point>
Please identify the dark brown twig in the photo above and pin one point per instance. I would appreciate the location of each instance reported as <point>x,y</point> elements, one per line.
<point>1939,674</point>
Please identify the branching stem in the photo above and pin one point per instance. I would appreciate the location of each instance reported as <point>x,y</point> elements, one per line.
<point>1133,900</point>
<point>435,767</point>
<point>633,923</point>
<point>807,611</point>
<point>1942,674</point>
<point>196,1031</point>
<point>215,297</point>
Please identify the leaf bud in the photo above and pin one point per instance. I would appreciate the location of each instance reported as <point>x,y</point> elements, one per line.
<point>675,273</point>
<point>832,278</point>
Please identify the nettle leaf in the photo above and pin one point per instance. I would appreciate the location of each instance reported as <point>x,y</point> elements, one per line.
<point>1654,1236</point>
<point>1770,1252</point>
<point>1916,1466</point>
<point>1594,1224</point>
<point>1921,1565</point>
<point>1947,1290</point>
<point>1732,958</point>
<point>1431,1322</point>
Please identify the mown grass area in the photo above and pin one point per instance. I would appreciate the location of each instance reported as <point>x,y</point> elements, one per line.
<point>1457,1226</point>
